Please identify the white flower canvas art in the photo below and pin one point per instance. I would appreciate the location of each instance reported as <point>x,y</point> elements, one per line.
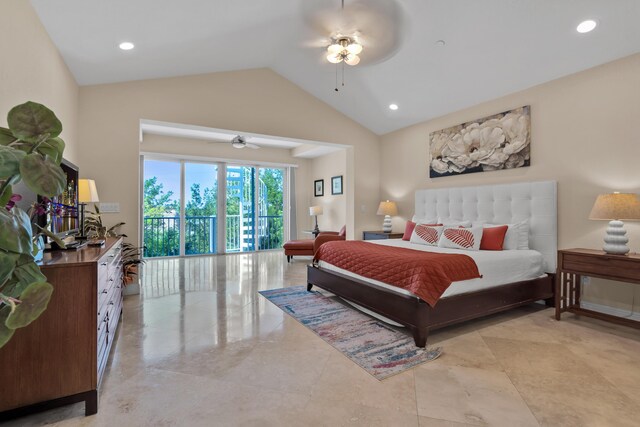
<point>501,141</point>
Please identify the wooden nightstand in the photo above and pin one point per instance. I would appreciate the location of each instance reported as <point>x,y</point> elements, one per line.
<point>380,235</point>
<point>575,263</point>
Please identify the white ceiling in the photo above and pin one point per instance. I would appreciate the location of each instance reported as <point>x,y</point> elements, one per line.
<point>298,147</point>
<point>493,47</point>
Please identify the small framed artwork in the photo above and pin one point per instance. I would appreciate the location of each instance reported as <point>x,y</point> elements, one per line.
<point>336,184</point>
<point>318,188</point>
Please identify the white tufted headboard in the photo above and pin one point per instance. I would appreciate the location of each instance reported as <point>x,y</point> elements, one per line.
<point>501,204</point>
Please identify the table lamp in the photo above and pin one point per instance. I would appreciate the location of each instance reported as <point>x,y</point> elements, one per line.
<point>315,211</point>
<point>87,193</point>
<point>615,207</point>
<point>388,209</point>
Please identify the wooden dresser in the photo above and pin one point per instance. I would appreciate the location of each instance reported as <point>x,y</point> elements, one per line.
<point>61,357</point>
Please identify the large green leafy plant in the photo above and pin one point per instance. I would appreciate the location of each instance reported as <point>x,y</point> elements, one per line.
<point>31,151</point>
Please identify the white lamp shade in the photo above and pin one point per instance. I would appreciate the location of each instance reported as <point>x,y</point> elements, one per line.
<point>87,192</point>
<point>625,206</point>
<point>315,210</point>
<point>387,208</point>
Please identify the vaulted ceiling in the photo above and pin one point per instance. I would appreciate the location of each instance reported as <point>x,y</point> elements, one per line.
<point>491,47</point>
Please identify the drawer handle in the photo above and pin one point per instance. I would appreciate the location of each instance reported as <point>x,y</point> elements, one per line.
<point>110,302</point>
<point>104,264</point>
<point>110,280</point>
<point>104,291</point>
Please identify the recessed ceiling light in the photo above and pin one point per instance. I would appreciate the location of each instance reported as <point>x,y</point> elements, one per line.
<point>126,45</point>
<point>440,43</point>
<point>393,107</point>
<point>586,26</point>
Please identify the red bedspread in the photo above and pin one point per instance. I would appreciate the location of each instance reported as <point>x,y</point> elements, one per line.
<point>426,274</point>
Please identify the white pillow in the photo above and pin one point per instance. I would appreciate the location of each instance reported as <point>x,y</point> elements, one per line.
<point>461,238</point>
<point>426,235</point>
<point>517,237</point>
<point>448,222</point>
<point>419,220</point>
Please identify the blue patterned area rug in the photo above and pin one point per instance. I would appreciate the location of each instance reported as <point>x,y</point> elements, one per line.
<point>381,349</point>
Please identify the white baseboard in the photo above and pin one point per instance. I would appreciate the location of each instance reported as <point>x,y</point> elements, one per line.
<point>610,310</point>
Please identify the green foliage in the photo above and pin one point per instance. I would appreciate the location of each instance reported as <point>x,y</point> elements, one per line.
<point>34,298</point>
<point>274,182</point>
<point>95,229</point>
<point>30,150</point>
<point>156,201</point>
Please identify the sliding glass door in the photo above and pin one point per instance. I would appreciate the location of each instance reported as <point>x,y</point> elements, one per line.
<point>271,208</point>
<point>161,208</point>
<point>200,208</point>
<point>183,211</point>
<point>241,213</point>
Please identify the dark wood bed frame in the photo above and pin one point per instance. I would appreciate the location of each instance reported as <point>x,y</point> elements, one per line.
<point>419,316</point>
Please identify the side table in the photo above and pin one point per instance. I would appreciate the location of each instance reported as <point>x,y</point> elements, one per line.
<point>575,263</point>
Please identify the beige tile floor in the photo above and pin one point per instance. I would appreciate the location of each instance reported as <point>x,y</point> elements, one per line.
<point>199,346</point>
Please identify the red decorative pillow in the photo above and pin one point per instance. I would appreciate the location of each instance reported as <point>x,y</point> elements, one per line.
<point>408,230</point>
<point>493,238</point>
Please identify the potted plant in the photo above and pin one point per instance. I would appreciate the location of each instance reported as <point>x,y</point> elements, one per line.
<point>131,260</point>
<point>131,255</point>
<point>31,151</point>
<point>96,230</point>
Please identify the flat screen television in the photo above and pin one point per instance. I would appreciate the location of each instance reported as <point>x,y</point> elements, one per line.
<point>63,219</point>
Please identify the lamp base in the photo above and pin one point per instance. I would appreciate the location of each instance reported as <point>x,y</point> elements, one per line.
<point>615,241</point>
<point>386,225</point>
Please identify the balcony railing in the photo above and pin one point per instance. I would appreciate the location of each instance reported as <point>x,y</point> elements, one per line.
<point>162,234</point>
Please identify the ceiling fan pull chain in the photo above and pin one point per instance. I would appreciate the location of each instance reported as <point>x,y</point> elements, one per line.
<point>336,89</point>
<point>343,74</point>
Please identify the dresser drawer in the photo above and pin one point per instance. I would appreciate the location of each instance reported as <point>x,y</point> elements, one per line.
<point>105,293</point>
<point>613,267</point>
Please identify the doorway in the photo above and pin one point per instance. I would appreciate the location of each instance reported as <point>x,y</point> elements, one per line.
<point>204,208</point>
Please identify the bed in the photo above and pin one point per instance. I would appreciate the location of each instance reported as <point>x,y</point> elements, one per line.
<point>510,279</point>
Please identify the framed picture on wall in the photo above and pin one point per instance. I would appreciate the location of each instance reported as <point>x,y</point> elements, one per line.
<point>318,188</point>
<point>336,184</point>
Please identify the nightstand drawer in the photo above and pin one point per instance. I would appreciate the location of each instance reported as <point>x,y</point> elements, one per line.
<point>380,235</point>
<point>612,267</point>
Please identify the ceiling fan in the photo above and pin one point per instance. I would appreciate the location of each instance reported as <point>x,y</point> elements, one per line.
<point>378,26</point>
<point>241,142</point>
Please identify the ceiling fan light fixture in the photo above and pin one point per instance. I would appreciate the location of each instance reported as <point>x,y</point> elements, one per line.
<point>354,48</point>
<point>335,48</point>
<point>334,58</point>
<point>344,49</point>
<point>352,60</point>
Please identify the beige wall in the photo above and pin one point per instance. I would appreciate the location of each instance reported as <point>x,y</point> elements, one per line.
<point>180,147</point>
<point>31,69</point>
<point>334,214</point>
<point>257,101</point>
<point>584,135</point>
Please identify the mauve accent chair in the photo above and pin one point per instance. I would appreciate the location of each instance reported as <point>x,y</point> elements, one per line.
<point>308,247</point>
